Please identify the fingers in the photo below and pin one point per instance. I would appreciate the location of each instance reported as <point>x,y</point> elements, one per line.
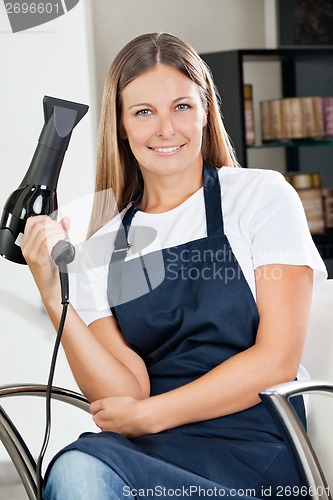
<point>40,235</point>
<point>118,414</point>
<point>97,411</point>
<point>96,406</point>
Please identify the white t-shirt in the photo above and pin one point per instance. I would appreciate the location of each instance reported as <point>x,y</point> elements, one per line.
<point>264,221</point>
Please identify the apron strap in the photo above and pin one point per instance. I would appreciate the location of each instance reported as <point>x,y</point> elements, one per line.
<point>121,245</point>
<point>213,204</point>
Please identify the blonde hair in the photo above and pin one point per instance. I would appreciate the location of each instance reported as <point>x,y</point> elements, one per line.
<point>118,177</point>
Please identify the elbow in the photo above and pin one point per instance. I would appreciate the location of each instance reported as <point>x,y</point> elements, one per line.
<point>286,368</point>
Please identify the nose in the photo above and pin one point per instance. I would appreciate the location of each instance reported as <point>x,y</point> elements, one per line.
<point>165,127</point>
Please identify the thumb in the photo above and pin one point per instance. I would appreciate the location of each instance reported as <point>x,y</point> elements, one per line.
<point>65,223</point>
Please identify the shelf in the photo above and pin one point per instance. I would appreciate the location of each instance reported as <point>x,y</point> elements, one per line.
<point>296,143</point>
<point>303,72</point>
<point>284,54</point>
<point>300,72</point>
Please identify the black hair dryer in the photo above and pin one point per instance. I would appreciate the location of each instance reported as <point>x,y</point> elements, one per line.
<point>36,194</point>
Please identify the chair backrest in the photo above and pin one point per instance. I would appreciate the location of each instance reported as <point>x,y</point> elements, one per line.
<point>318,360</point>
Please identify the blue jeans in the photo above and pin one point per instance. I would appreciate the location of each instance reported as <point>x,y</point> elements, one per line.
<point>78,476</point>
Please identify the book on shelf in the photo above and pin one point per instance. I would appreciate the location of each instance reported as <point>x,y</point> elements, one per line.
<point>328,115</point>
<point>248,114</point>
<point>313,116</point>
<point>277,125</point>
<point>265,115</point>
<point>293,118</point>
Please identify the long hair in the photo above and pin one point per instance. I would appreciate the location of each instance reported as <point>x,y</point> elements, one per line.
<point>118,177</point>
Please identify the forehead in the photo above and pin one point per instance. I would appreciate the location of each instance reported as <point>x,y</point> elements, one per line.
<point>160,83</point>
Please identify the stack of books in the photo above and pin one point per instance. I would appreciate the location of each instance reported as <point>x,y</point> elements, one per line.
<point>296,118</point>
<point>317,200</point>
<point>308,187</point>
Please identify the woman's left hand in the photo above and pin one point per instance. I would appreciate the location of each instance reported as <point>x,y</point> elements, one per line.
<point>121,414</point>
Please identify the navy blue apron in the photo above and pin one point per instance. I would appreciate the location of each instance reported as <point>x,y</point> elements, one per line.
<point>190,315</point>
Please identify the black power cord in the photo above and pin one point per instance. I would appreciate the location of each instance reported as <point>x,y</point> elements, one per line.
<point>63,253</point>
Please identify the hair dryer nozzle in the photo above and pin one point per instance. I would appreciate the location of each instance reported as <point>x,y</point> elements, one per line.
<point>60,119</point>
<point>49,104</point>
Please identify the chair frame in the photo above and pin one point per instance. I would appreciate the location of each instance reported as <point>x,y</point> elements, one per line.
<point>12,439</point>
<point>276,399</point>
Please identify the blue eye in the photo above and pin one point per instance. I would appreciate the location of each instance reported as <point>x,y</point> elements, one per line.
<point>143,112</point>
<point>182,107</point>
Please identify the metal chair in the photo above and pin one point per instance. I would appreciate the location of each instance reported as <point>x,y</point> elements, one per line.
<point>317,358</point>
<point>277,400</point>
<point>12,439</point>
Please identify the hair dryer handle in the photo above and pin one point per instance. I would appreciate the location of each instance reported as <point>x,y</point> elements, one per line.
<point>63,253</point>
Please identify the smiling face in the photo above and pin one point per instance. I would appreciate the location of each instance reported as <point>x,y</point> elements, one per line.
<point>163,118</point>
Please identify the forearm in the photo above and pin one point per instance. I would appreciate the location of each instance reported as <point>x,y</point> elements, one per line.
<point>231,387</point>
<point>97,372</point>
<point>101,369</point>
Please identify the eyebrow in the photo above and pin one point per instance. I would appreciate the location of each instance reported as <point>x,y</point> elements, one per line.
<point>147,104</point>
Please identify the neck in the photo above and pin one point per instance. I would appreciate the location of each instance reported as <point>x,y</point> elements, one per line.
<point>163,193</point>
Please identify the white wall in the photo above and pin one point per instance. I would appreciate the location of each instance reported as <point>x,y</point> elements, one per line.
<point>209,25</point>
<point>53,59</point>
<point>318,360</point>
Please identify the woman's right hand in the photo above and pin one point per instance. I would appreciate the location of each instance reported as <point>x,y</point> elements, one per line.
<point>40,236</point>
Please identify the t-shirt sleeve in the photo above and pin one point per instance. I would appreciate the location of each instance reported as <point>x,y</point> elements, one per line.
<point>280,232</point>
<point>89,274</point>
<point>91,301</point>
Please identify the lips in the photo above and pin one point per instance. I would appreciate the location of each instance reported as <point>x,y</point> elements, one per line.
<point>168,150</point>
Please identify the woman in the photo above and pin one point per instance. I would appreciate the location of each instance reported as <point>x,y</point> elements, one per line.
<point>174,355</point>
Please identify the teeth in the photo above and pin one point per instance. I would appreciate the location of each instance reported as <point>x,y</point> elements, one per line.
<point>166,150</point>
